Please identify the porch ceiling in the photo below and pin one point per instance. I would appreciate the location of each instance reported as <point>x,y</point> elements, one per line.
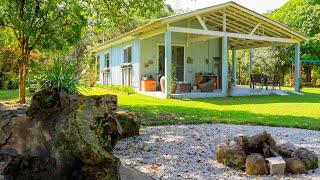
<point>245,28</point>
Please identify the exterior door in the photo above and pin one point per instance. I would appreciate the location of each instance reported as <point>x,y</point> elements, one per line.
<point>177,62</point>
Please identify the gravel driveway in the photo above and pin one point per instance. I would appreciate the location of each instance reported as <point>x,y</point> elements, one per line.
<point>188,151</point>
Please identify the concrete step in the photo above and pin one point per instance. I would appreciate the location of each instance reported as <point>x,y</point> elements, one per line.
<point>127,173</point>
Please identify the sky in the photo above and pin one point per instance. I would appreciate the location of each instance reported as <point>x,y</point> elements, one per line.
<point>260,6</point>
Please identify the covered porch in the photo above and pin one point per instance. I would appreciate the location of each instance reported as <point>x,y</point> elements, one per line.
<point>236,92</point>
<point>235,28</point>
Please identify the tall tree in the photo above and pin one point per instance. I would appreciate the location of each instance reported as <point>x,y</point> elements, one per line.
<point>57,24</point>
<point>41,24</point>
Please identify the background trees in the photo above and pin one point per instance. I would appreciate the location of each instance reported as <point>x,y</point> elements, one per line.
<point>302,16</point>
<point>57,25</point>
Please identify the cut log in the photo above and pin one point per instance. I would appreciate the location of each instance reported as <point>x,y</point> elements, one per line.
<point>258,140</point>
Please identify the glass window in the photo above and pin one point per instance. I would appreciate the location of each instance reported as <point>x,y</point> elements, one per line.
<point>107,60</point>
<point>127,54</point>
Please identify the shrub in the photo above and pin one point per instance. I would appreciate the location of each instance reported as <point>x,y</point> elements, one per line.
<point>61,76</point>
<point>123,89</point>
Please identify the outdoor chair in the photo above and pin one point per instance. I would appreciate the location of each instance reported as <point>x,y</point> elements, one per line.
<point>257,79</point>
<point>208,86</point>
<point>274,81</point>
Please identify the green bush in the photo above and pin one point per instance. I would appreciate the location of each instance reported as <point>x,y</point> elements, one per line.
<point>9,80</point>
<point>123,89</point>
<point>61,76</point>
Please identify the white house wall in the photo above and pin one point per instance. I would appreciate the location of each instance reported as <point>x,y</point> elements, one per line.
<point>198,51</point>
<point>116,60</point>
<point>146,52</point>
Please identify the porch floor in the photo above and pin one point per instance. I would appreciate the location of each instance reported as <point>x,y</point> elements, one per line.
<point>237,91</point>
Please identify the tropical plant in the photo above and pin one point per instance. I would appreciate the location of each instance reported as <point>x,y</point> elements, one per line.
<point>60,76</point>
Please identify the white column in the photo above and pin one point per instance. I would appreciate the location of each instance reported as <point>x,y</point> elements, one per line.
<point>168,62</point>
<point>234,68</point>
<point>297,67</point>
<point>225,74</point>
<point>250,65</point>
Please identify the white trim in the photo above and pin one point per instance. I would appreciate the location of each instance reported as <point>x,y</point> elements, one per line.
<point>202,23</point>
<point>232,35</point>
<point>184,56</point>
<point>152,33</point>
<point>224,22</point>
<point>254,29</point>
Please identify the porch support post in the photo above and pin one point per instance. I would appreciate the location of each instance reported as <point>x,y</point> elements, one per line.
<point>250,65</point>
<point>168,62</point>
<point>297,67</point>
<point>234,68</point>
<point>225,73</point>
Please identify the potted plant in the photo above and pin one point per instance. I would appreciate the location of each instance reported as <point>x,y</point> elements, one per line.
<point>230,87</point>
<point>173,80</point>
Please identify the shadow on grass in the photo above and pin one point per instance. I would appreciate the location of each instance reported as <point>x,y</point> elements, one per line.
<point>267,99</point>
<point>169,115</point>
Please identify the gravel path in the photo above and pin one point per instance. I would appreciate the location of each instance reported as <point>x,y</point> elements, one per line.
<point>187,152</point>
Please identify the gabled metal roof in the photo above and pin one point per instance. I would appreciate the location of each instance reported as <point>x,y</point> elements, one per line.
<point>239,20</point>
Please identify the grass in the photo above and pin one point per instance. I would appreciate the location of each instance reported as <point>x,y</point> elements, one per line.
<point>289,111</point>
<point>11,96</point>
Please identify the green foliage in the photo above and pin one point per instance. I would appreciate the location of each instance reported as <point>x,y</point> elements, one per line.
<point>8,80</point>
<point>60,76</point>
<point>117,89</point>
<point>89,75</point>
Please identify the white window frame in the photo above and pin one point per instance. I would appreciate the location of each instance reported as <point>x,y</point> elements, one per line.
<point>104,63</point>
<point>127,47</point>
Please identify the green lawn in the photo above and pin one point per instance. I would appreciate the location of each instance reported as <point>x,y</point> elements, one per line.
<point>11,96</point>
<point>291,111</point>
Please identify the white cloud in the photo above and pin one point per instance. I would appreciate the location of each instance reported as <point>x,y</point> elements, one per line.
<point>260,6</point>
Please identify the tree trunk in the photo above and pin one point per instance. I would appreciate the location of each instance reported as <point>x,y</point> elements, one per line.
<point>22,75</point>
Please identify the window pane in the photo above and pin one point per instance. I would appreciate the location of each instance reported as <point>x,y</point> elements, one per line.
<point>129,55</point>
<point>125,55</point>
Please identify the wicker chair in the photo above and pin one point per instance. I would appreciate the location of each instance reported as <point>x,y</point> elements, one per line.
<point>208,86</point>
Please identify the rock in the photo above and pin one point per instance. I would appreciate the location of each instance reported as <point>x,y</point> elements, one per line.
<point>277,165</point>
<point>61,137</point>
<point>295,166</point>
<point>232,156</point>
<point>256,165</point>
<point>130,123</point>
<point>309,158</point>
<point>285,149</point>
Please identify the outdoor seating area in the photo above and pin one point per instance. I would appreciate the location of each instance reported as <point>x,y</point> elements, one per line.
<point>265,81</point>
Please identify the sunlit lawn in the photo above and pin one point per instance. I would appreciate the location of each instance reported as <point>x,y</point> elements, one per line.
<point>11,96</point>
<point>291,111</point>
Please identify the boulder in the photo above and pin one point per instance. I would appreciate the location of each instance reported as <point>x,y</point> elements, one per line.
<point>277,165</point>
<point>309,158</point>
<point>130,123</point>
<point>232,156</point>
<point>285,149</point>
<point>256,165</point>
<point>61,137</point>
<point>295,166</point>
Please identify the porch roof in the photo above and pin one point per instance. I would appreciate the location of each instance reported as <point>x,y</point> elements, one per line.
<point>244,27</point>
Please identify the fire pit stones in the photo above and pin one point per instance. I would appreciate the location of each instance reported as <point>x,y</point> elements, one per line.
<point>260,155</point>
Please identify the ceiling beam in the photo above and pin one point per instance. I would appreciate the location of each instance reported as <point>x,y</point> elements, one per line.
<point>201,22</point>
<point>231,35</point>
<point>254,29</point>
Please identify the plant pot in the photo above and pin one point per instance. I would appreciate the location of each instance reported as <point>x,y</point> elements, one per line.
<point>173,87</point>
<point>163,84</point>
